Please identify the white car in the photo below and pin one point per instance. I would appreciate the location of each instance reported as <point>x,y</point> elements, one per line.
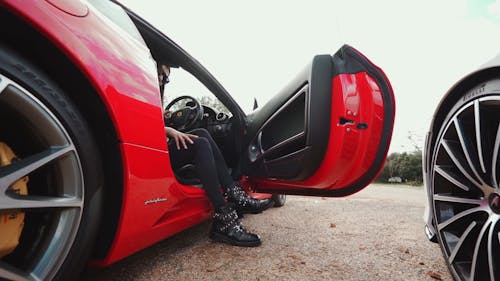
<point>461,175</point>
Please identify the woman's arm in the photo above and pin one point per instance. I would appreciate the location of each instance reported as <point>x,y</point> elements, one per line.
<point>179,137</point>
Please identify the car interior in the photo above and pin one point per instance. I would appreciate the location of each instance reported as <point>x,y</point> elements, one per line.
<point>184,113</point>
<point>209,106</point>
<point>279,136</point>
<point>285,139</point>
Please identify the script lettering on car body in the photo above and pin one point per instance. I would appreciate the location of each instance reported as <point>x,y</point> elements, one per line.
<point>154,201</point>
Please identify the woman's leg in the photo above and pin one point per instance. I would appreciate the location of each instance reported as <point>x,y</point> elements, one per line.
<point>226,227</point>
<point>244,203</point>
<point>225,178</point>
<point>200,154</point>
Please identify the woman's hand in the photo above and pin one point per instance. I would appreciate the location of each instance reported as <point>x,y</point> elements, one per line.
<point>179,137</point>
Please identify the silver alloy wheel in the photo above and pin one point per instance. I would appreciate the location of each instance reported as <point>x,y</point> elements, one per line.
<point>55,189</point>
<point>465,190</point>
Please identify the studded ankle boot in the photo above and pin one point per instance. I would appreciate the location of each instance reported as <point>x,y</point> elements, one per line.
<point>226,228</point>
<point>244,203</point>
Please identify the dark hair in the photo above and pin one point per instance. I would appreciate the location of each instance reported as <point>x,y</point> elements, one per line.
<point>164,78</point>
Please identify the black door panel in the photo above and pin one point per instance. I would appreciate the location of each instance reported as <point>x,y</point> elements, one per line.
<point>284,128</point>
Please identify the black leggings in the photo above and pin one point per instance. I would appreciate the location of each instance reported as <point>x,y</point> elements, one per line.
<point>210,165</point>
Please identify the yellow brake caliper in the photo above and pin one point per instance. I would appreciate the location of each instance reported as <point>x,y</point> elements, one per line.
<point>11,221</point>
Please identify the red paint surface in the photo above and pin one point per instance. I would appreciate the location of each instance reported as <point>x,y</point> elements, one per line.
<point>122,73</point>
<point>117,65</point>
<point>148,176</point>
<point>73,7</point>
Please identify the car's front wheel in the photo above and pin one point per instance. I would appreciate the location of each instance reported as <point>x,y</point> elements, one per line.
<point>465,184</point>
<point>50,177</point>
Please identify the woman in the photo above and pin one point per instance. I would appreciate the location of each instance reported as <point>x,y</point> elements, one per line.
<point>199,148</point>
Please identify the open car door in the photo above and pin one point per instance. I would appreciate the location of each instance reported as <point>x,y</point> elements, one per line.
<point>326,133</point>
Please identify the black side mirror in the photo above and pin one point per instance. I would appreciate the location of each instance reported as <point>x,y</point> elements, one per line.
<point>255,105</point>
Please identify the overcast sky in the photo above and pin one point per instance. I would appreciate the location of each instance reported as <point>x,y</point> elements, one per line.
<point>255,47</point>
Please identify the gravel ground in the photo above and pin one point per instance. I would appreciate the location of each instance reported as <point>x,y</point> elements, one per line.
<point>376,234</point>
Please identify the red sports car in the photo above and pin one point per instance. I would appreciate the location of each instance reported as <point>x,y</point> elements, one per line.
<point>85,170</point>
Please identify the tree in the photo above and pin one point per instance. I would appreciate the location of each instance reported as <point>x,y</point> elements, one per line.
<point>416,140</point>
<point>406,165</point>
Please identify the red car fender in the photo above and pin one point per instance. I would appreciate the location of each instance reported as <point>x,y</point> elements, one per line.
<point>155,206</point>
<point>117,65</point>
<point>120,68</point>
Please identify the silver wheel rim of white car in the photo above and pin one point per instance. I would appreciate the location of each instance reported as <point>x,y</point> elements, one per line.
<point>465,190</point>
<point>60,202</point>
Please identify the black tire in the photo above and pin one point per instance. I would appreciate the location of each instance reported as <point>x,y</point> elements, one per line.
<point>43,124</point>
<point>279,200</point>
<point>465,167</point>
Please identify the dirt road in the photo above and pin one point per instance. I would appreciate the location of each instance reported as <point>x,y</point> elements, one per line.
<point>376,234</point>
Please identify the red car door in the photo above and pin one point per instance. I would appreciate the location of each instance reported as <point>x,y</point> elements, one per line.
<point>326,133</point>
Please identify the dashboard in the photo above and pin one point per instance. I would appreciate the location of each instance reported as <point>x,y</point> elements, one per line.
<point>217,123</point>
<point>211,116</point>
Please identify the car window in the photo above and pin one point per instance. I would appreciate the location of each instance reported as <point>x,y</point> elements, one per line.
<point>118,16</point>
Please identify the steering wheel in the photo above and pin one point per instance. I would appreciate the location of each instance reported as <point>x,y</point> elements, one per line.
<point>184,119</point>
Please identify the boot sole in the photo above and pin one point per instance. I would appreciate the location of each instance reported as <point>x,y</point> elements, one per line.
<point>222,238</point>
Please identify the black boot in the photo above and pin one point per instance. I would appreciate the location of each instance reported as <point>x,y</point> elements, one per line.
<point>226,228</point>
<point>246,204</point>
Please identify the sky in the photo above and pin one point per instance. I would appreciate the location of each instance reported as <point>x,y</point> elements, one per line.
<point>255,47</point>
